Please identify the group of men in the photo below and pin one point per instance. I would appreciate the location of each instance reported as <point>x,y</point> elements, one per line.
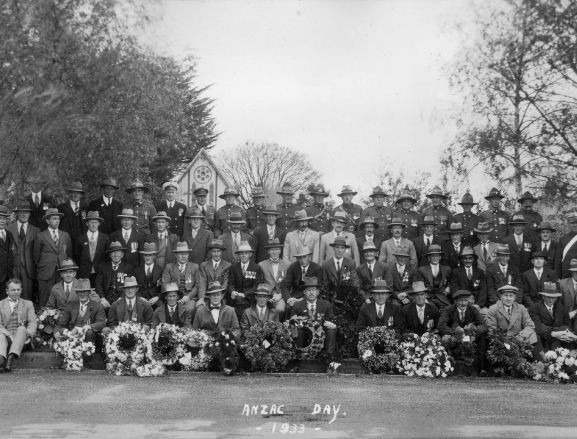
<point>103,262</point>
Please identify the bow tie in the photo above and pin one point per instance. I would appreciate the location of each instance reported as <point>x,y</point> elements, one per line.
<point>272,261</point>
<point>13,301</point>
<point>214,307</point>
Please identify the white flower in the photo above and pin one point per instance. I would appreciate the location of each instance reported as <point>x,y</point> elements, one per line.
<point>367,354</point>
<point>550,355</point>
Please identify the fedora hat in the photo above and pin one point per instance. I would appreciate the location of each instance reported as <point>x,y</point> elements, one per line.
<point>396,222</point>
<point>405,195</point>
<point>377,190</point>
<point>271,210</point>
<point>194,212</point>
<point>75,186</point>
<point>467,251</point>
<point>483,227</point>
<point>369,246</point>
<point>310,282</point>
<point>149,248</point>
<point>461,293</point>
<point>428,220</point>
<point>507,288</point>
<point>550,290</point>
<point>274,243</point>
<point>93,215</point>
<point>136,184</point>
<point>127,213</point>
<point>302,215</point>
<point>538,254</point>
<point>115,246</point>
<point>216,243</point>
<point>380,286</point>
<point>228,191</point>
<point>303,250</point>
<point>200,192</point>
<point>527,196</point>
<point>82,285</point>
<point>318,189</point>
<point>130,281</point>
<point>109,181</point>
<point>4,211</point>
<point>434,249</point>
<point>573,265</point>
<point>368,220</point>
<point>214,287</point>
<point>236,218</point>
<point>340,216</point>
<point>22,206</point>
<point>170,184</point>
<point>339,240</point>
<point>401,251</point>
<point>68,264</point>
<point>346,189</point>
<point>50,212</point>
<point>286,189</point>
<point>503,249</point>
<point>182,247</point>
<point>257,192</point>
<point>455,228</point>
<point>437,192</point>
<point>546,226</point>
<point>518,219</point>
<point>263,290</point>
<point>494,193</point>
<point>418,287</point>
<point>161,215</point>
<point>170,287</point>
<point>467,199</point>
<point>244,247</point>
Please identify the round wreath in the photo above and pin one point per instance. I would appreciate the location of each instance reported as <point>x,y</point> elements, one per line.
<point>379,349</point>
<point>268,346</point>
<point>167,344</point>
<point>126,348</point>
<point>196,356</point>
<point>424,356</point>
<point>73,348</point>
<point>47,321</point>
<point>223,349</point>
<point>318,336</point>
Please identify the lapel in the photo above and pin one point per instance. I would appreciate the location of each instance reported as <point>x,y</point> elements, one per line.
<point>572,290</point>
<point>548,318</point>
<point>515,314</point>
<point>332,269</point>
<point>20,312</point>
<point>501,309</point>
<point>50,240</point>
<point>428,273</point>
<point>5,310</point>
<point>373,312</point>
<point>76,309</point>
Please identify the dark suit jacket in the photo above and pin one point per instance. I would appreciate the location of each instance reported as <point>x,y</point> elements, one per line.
<point>73,223</point>
<point>477,285</point>
<point>82,254</point>
<point>243,284</point>
<point>47,257</point>
<point>412,323</point>
<point>94,309</point>
<point>324,310</point>
<point>261,239</point>
<point>199,245</point>
<point>171,241</point>
<point>365,278</point>
<point>250,317</point>
<point>142,311</point>
<point>185,316</point>
<point>545,322</point>
<point>450,257</point>
<point>38,213</point>
<point>227,319</point>
<point>496,279</point>
<point>208,275</point>
<point>176,214</point>
<point>149,287</point>
<point>134,244</point>
<point>103,280</point>
<point>108,213</point>
<point>293,285</point>
<point>532,286</point>
<point>332,283</point>
<point>171,273</point>
<point>521,257</point>
<point>24,252</point>
<point>392,317</point>
<point>361,239</point>
<point>551,261</point>
<point>228,254</point>
<point>562,263</point>
<point>6,257</point>
<point>396,282</point>
<point>421,248</point>
<point>449,320</point>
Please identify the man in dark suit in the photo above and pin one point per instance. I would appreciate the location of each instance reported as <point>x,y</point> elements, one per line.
<point>339,273</point>
<point>419,316</point>
<point>74,211</point>
<point>297,272</point>
<point>214,270</point>
<point>38,201</point>
<point>175,210</point>
<point>129,308</point>
<point>198,238</point>
<point>243,278</point>
<point>261,311</point>
<point>24,233</point>
<point>567,248</point>
<point>367,229</point>
<point>520,245</point>
<point>128,237</point>
<point>568,288</point>
<point>534,279</point>
<point>51,247</point>
<point>380,312</point>
<point>149,274</point>
<point>452,247</point>
<point>170,310</point>
<point>233,236</point>
<point>399,275</point>
<point>468,277</point>
<point>90,248</point>
<point>107,206</point>
<point>255,216</point>
<point>547,245</point>
<point>267,232</point>
<point>502,273</point>
<point>426,239</point>
<point>215,315</point>
<point>436,277</point>
<point>110,276</point>
<point>164,240</point>
<point>6,251</point>
<point>370,270</point>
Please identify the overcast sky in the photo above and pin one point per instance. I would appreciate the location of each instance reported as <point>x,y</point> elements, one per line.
<point>354,84</point>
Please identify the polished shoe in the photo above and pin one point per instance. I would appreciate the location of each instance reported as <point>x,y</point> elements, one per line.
<point>9,362</point>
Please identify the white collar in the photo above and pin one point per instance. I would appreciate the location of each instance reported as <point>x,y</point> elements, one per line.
<point>34,194</point>
<point>339,260</point>
<point>399,267</point>
<point>311,304</point>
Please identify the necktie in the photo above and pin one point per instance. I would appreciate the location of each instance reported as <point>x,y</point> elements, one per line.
<point>171,312</point>
<point>380,312</point>
<point>519,241</point>
<point>82,309</point>
<point>370,271</point>
<point>237,239</point>
<point>485,251</point>
<point>22,233</point>
<point>261,313</point>
<point>125,236</point>
<point>339,267</point>
<point>182,268</point>
<point>67,288</point>
<point>544,249</point>
<point>469,274</point>
<point>435,270</point>
<point>509,310</point>
<point>421,314</point>
<point>3,235</point>
<point>462,315</point>
<point>130,307</point>
<point>215,266</point>
<point>243,270</point>
<point>428,242</point>
<point>114,267</point>
<point>149,270</point>
<point>550,309</point>
<point>203,211</point>
<point>312,311</point>
<point>75,207</point>
<point>55,237</point>
<point>538,275</point>
<point>36,200</point>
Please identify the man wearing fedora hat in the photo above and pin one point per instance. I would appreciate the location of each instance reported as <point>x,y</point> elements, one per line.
<point>24,233</point>
<point>370,270</point>
<point>107,206</point>
<point>501,273</point>
<point>547,245</point>
<point>129,308</point>
<point>338,221</point>
<point>243,278</point>
<point>419,316</point>
<point>380,214</point>
<point>90,247</point>
<point>149,274</point>
<point>197,237</point>
<point>51,247</point>
<point>274,270</point>
<point>261,311</point>
<point>407,215</point>
<point>380,312</point>
<point>6,251</point>
<point>38,201</point>
<point>453,246</point>
<point>467,276</point>
<point>302,236</point>
<point>215,315</point>
<point>232,238</point>
<point>426,239</point>
<point>468,219</point>
<point>74,211</point>
<point>296,273</point>
<point>436,277</point>
<point>567,248</point>
<point>264,233</point>
<point>552,322</point>
<point>175,210</point>
<point>339,273</point>
<point>215,269</point>
<point>568,289</point>
<point>441,215</point>
<point>127,235</point>
<point>318,210</point>
<point>185,274</point>
<point>255,216</point>
<point>485,249</point>
<point>164,240</point>
<point>223,214</point>
<point>399,276</point>
<point>368,228</point>
<point>171,310</point>
<point>143,208</point>
<point>110,275</point>
<point>64,292</point>
<point>351,212</point>
<point>208,211</point>
<point>497,218</point>
<point>287,208</point>
<point>388,247</point>
<point>520,245</point>
<point>534,279</point>
<point>533,218</point>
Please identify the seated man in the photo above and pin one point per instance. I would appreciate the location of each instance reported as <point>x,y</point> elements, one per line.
<point>468,277</point>
<point>339,273</point>
<point>129,308</point>
<point>243,278</point>
<point>399,276</point>
<point>17,324</point>
<point>568,287</point>
<point>501,273</point>
<point>170,310</point>
<point>419,317</point>
<point>509,315</point>
<point>83,312</point>
<point>149,274</point>
<point>436,278</point>
<point>370,270</point>
<point>185,274</point>
<point>552,321</point>
<point>380,312</point>
<point>303,267</point>
<point>534,279</point>
<point>274,271</point>
<point>64,292</point>
<point>110,275</point>
<point>456,317</point>
<point>261,311</point>
<point>214,315</point>
<point>214,270</point>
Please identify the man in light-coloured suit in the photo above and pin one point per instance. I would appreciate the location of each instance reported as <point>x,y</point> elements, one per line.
<point>232,237</point>
<point>568,288</point>
<point>197,236</point>
<point>485,250</point>
<point>303,236</point>
<point>274,271</point>
<point>214,270</point>
<point>397,241</point>
<point>326,252</point>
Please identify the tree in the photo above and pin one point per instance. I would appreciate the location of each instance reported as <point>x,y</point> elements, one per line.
<point>268,165</point>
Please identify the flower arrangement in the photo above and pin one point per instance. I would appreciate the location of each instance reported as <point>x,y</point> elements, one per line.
<point>379,349</point>
<point>73,348</point>
<point>509,355</point>
<point>461,344</point>
<point>126,348</point>
<point>425,356</point>
<point>559,366</point>
<point>167,344</point>
<point>317,332</point>
<point>347,306</point>
<point>47,320</point>
<point>154,369</point>
<point>196,356</point>
<point>268,346</point>
<point>223,349</point>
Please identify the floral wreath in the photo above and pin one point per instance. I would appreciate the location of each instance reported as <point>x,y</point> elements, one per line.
<point>462,344</point>
<point>126,347</point>
<point>47,320</point>
<point>196,356</point>
<point>424,356</point>
<point>268,346</point>
<point>167,344</point>
<point>509,355</point>
<point>72,347</point>
<point>318,336</point>
<point>558,366</point>
<point>223,349</point>
<point>379,349</point>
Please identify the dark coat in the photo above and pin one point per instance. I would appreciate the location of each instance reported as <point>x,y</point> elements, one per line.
<point>82,254</point>
<point>421,248</point>
<point>324,310</point>
<point>412,323</point>
<point>46,256</point>
<point>176,214</point>
<point>227,319</point>
<point>185,316</point>
<point>392,317</point>
<point>562,263</point>
<point>450,257</point>
<point>496,279</point>
<point>551,253</point>
<point>171,241</point>
<point>108,213</point>
<point>545,323</point>
<point>361,239</point>
<point>149,287</point>
<point>261,238</point>
<point>449,320</point>
<point>94,309</point>
<point>103,281</point>
<point>133,246</point>
<point>293,285</point>
<point>477,285</point>
<point>245,284</point>
<point>142,311</point>
<point>532,286</point>
<point>396,282</point>
<point>332,282</point>
<point>72,222</point>
<point>6,257</point>
<point>366,280</point>
<point>250,317</point>
<point>24,252</point>
<point>199,245</point>
<point>521,257</point>
<point>37,214</point>
<point>436,295</point>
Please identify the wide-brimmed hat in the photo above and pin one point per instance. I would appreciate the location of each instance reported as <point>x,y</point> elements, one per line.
<point>170,184</point>
<point>130,281</point>
<point>136,184</point>
<point>436,192</point>
<point>182,247</point>
<point>50,212</point>
<point>214,287</point>
<point>455,228</point>
<point>236,218</point>
<point>377,190</point>
<point>161,215</point>
<point>339,240</point>
<point>467,199</point>
<point>428,220</point>
<point>263,290</point>
<point>318,189</point>
<point>546,226</point>
<point>483,227</point>
<point>75,186</point>
<point>228,191</point>
<point>127,213</point>
<point>340,216</point>
<point>346,189</point>
<point>23,206</point>
<point>93,215</point>
<point>527,196</point>
<point>274,243</point>
<point>397,222</point>
<point>405,195</point>
<point>418,287</point>
<point>518,219</point>
<point>200,192</point>
<point>109,182</point>
<point>572,265</point>
<point>68,264</point>
<point>310,282</point>
<point>303,250</point>
<point>115,246</point>
<point>467,251</point>
<point>170,287</point>
<point>4,211</point>
<point>82,285</point>
<point>502,249</point>
<point>494,193</point>
<point>286,189</point>
<point>434,249</point>
<point>244,246</point>
<point>271,210</point>
<point>194,212</point>
<point>258,192</point>
<point>302,215</point>
<point>550,290</point>
<point>369,246</point>
<point>507,288</point>
<point>538,254</point>
<point>368,220</point>
<point>216,243</point>
<point>380,286</point>
<point>149,248</point>
<point>401,251</point>
<point>461,293</point>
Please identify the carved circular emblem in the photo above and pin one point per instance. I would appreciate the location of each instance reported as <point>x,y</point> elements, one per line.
<point>202,174</point>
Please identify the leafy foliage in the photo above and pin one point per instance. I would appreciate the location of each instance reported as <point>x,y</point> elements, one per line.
<point>268,346</point>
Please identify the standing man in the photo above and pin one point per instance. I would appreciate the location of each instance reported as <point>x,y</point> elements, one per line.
<point>303,236</point>
<point>208,212</point>
<point>442,216</point>
<point>535,279</point>
<point>110,276</point>
<point>143,209</point>
<point>267,232</point>
<point>255,215</point>
<point>368,229</point>
<point>547,245</point>
<point>215,269</point>
<point>419,316</point>
<point>502,273</point>
<point>424,241</point>
<point>128,237</point>
<point>436,278</point>
<point>318,210</point>
<point>287,208</point>
<point>568,288</point>
<point>107,206</point>
<point>51,247</point>
<point>74,211</point>
<point>392,245</point>
<point>39,201</point>
<point>243,278</point>
<point>339,272</point>
<point>468,276</point>
<point>495,216</point>
<point>351,212</point>
<point>24,234</point>
<point>485,250</point>
<point>370,270</point>
<point>164,240</point>
<point>198,238</point>
<point>303,267</point>
<point>407,215</point>
<point>6,250</point>
<point>149,274</point>
<point>221,223</point>
<point>567,248</point>
<point>533,218</point>
<point>338,221</point>
<point>468,219</point>
<point>452,248</point>
<point>232,238</point>
<point>520,244</point>
<point>175,210</point>
<point>381,215</point>
<point>90,248</point>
